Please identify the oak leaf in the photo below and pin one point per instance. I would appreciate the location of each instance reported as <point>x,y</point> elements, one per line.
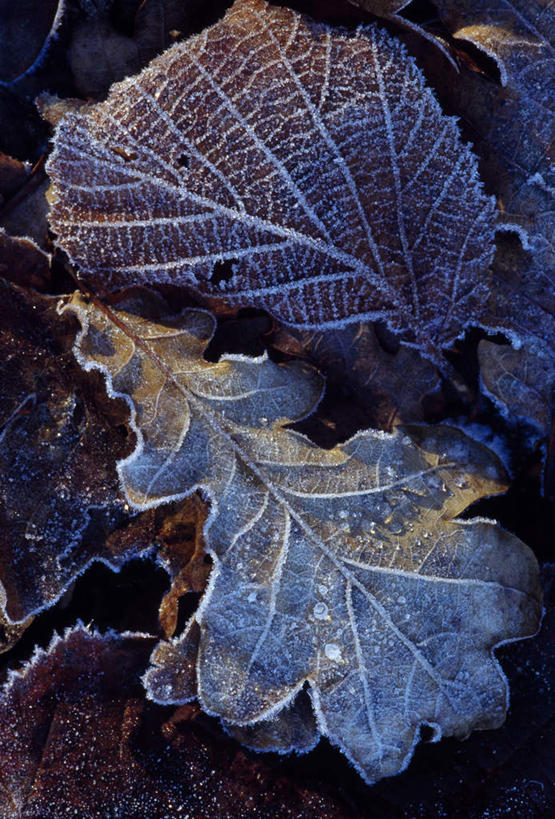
<point>315,163</point>
<point>342,568</point>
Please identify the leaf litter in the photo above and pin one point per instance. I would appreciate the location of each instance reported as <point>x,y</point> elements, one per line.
<point>518,302</point>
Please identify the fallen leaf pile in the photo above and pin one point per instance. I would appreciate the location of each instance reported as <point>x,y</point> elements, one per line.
<point>276,366</point>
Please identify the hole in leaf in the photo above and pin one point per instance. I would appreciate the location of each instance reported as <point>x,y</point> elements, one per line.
<point>183,161</point>
<point>125,154</point>
<point>222,272</point>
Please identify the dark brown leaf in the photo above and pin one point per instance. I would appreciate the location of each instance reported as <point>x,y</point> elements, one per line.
<point>513,128</point>
<point>391,385</point>
<point>60,504</point>
<point>520,381</point>
<point>25,30</point>
<point>58,486</point>
<point>77,737</point>
<point>13,175</point>
<point>23,262</point>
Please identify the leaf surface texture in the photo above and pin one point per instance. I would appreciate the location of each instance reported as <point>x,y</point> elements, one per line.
<point>314,162</point>
<point>342,568</point>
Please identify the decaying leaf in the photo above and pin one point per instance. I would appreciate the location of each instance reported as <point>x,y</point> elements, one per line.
<point>342,568</point>
<point>520,381</point>
<point>98,54</point>
<point>78,736</point>
<point>314,162</point>
<point>513,131</point>
<point>13,175</point>
<point>23,262</point>
<point>391,385</point>
<point>60,503</point>
<point>181,552</point>
<point>58,487</point>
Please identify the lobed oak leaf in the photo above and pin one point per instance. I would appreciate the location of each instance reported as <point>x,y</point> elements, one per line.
<point>313,161</point>
<point>343,569</point>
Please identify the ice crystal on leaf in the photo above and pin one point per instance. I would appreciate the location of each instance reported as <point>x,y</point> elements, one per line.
<point>343,569</point>
<point>314,160</point>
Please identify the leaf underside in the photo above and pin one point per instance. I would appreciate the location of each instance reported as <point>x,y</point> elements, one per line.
<point>341,569</point>
<point>314,161</point>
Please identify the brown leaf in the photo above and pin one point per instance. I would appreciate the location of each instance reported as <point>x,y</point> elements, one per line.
<point>98,54</point>
<point>181,552</point>
<point>77,735</point>
<point>391,385</point>
<point>513,131</point>
<point>58,487</point>
<point>159,23</point>
<point>343,569</point>
<point>314,160</point>
<point>60,504</point>
<point>23,262</point>
<point>520,381</point>
<point>13,175</point>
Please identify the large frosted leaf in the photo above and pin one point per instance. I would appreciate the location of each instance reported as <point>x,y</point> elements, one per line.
<point>342,568</point>
<point>314,162</point>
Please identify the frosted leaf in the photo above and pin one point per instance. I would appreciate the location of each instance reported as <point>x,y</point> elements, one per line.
<point>520,381</point>
<point>353,358</point>
<point>294,729</point>
<point>513,128</point>
<point>416,600</point>
<point>314,162</point>
<point>80,739</point>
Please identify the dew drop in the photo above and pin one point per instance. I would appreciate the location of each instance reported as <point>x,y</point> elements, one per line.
<point>320,611</point>
<point>332,652</point>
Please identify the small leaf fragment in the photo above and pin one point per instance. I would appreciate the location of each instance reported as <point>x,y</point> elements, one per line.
<point>520,381</point>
